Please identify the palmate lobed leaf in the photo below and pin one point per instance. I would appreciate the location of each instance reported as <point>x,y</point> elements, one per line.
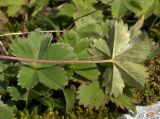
<point>37,46</point>
<point>128,49</point>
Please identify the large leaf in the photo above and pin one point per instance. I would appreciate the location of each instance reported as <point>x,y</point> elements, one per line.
<point>128,49</point>
<point>91,95</point>
<point>37,46</point>
<point>5,111</point>
<point>70,98</point>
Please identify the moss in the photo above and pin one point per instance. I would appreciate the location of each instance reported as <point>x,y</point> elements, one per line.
<point>151,92</point>
<point>109,112</point>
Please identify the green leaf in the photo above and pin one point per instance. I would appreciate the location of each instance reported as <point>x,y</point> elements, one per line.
<point>60,51</point>
<point>67,9</point>
<point>13,10</point>
<point>157,8</point>
<point>132,73</point>
<point>27,78</point>
<point>106,1</point>
<point>5,111</point>
<point>99,49</point>
<point>113,81</point>
<point>83,7</point>
<point>53,77</point>
<point>140,7</point>
<point>123,101</point>
<point>11,2</point>
<point>88,71</point>
<point>32,47</point>
<point>88,26</point>
<point>128,50</point>
<point>51,103</point>
<point>16,93</point>
<point>91,95</point>
<point>47,101</point>
<point>2,66</point>
<point>71,37</point>
<point>118,9</point>
<point>70,99</point>
<point>133,5</point>
<point>3,87</point>
<point>37,46</point>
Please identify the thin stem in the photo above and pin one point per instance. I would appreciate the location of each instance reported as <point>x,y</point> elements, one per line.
<point>85,15</point>
<point>21,33</point>
<point>55,61</point>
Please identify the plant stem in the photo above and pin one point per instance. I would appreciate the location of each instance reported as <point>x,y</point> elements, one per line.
<point>55,61</point>
<point>22,33</point>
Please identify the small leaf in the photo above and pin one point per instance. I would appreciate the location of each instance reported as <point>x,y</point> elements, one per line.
<point>71,37</point>
<point>124,102</point>
<point>106,1</point>
<point>10,2</point>
<point>118,9</point>
<point>3,87</point>
<point>13,10</point>
<point>88,26</point>
<point>91,95</point>
<point>157,8</point>
<point>5,111</point>
<point>67,9</point>
<point>70,99</point>
<point>133,5</point>
<point>27,78</point>
<point>16,93</point>
<point>51,103</point>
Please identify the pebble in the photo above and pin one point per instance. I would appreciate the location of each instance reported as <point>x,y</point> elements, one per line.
<point>144,112</point>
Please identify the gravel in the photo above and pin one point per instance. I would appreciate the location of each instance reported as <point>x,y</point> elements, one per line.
<point>144,112</point>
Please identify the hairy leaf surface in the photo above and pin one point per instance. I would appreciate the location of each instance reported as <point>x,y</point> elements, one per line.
<point>127,50</point>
